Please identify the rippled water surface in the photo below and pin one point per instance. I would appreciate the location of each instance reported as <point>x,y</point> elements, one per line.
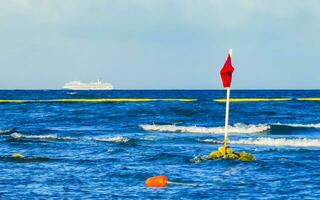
<point>106,150</point>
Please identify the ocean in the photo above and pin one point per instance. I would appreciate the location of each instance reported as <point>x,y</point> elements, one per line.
<point>106,149</point>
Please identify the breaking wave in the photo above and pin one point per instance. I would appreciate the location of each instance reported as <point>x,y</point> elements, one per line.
<point>39,137</point>
<point>146,139</point>
<point>263,141</point>
<point>6,132</point>
<point>117,139</point>
<point>299,125</point>
<point>238,128</point>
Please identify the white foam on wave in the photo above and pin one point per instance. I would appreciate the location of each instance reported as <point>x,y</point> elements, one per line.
<point>146,139</point>
<point>300,125</point>
<point>239,128</point>
<point>264,141</point>
<point>40,137</point>
<point>4,131</point>
<point>117,139</point>
<point>236,128</point>
<point>72,93</point>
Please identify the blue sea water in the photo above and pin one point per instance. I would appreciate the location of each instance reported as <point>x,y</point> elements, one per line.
<point>84,150</point>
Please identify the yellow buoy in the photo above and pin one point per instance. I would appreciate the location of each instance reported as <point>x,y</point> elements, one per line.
<point>309,99</point>
<point>100,100</point>
<point>252,99</point>
<point>17,155</point>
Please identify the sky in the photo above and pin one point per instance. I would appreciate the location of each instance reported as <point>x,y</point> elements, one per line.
<point>159,44</point>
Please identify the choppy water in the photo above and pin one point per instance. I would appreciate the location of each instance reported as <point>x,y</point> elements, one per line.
<point>106,150</point>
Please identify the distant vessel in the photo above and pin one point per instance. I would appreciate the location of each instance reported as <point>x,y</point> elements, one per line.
<point>77,85</point>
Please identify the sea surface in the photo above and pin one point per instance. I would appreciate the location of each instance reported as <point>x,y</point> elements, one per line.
<point>106,150</point>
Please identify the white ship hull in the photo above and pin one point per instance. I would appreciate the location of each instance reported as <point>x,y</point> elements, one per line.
<point>75,85</point>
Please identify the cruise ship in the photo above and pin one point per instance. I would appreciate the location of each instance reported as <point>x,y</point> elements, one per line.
<point>77,85</point>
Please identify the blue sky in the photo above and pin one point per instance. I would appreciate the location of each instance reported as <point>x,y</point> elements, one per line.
<point>159,44</point>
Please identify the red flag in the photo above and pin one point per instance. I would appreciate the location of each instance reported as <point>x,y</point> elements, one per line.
<point>226,72</point>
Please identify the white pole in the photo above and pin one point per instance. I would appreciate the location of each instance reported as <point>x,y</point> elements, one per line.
<point>227,118</point>
<point>227,112</point>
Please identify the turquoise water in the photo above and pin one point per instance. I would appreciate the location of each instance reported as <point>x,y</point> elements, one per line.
<point>106,150</point>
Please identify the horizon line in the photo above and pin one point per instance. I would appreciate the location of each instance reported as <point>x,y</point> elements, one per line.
<point>164,89</point>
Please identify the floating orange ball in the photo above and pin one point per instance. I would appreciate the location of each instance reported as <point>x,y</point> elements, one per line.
<point>157,181</point>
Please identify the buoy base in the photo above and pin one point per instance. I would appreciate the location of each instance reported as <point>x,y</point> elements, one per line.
<point>228,153</point>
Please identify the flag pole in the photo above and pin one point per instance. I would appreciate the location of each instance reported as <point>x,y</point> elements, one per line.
<point>227,118</point>
<point>224,151</point>
<point>225,143</point>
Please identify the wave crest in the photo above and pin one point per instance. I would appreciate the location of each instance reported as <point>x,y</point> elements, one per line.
<point>236,128</point>
<point>117,139</point>
<point>6,132</point>
<point>300,125</point>
<point>263,141</point>
<point>39,137</point>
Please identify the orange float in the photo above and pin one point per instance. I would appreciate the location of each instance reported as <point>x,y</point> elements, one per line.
<point>157,181</point>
